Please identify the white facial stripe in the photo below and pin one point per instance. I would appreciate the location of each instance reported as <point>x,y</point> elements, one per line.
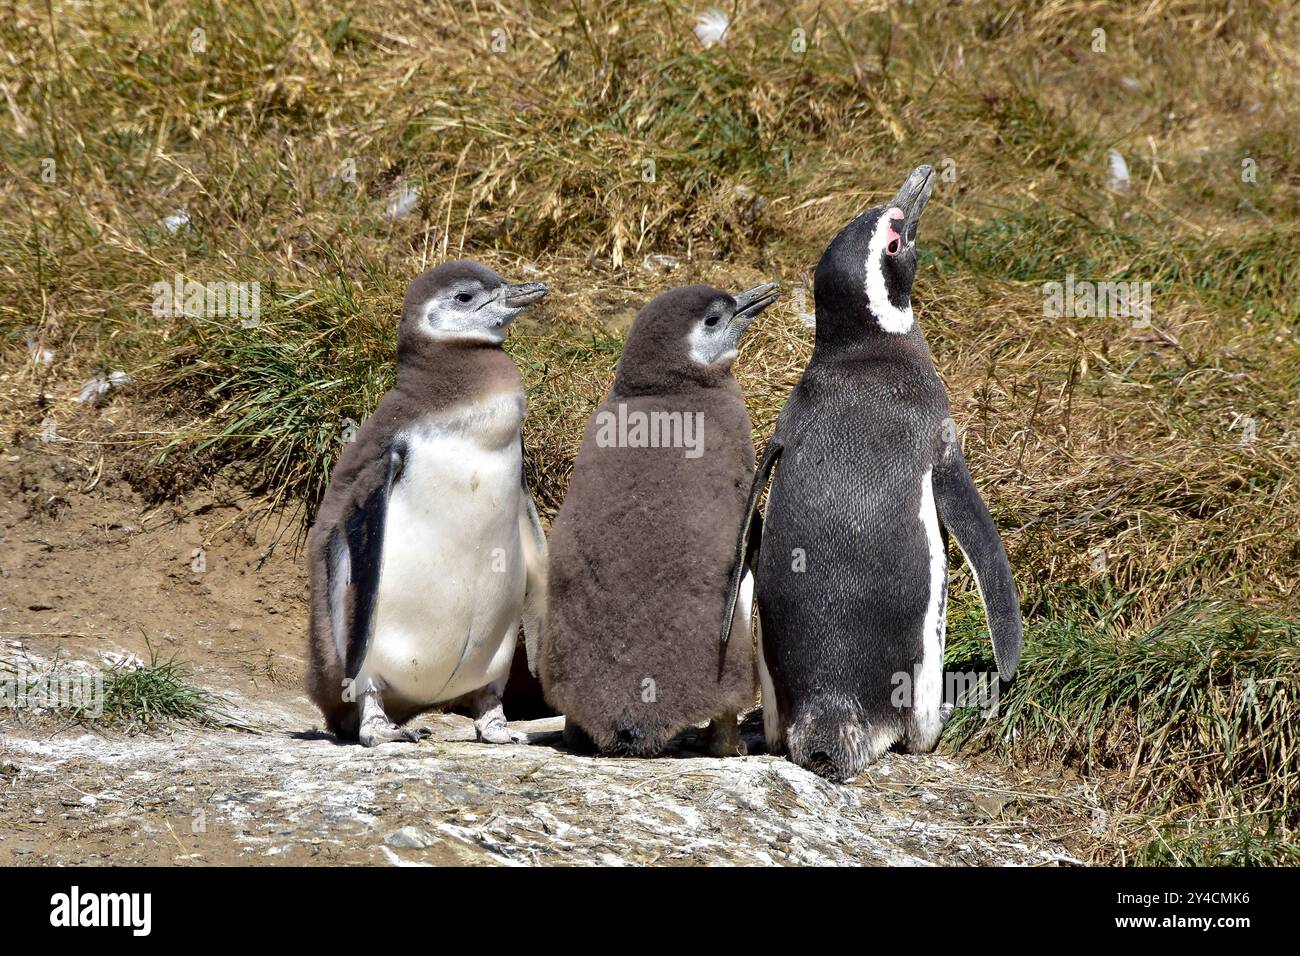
<point>891,317</point>
<point>704,345</point>
<point>486,323</point>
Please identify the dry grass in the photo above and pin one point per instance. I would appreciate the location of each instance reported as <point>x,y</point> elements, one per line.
<point>1193,722</point>
<point>1087,436</point>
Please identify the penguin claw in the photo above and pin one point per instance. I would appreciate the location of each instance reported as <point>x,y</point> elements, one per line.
<point>499,734</point>
<point>373,736</point>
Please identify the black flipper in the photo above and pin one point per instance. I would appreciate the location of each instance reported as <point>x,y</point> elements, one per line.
<point>963,512</point>
<point>364,529</point>
<point>750,538</point>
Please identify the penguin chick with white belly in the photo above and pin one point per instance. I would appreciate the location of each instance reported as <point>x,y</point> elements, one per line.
<point>851,566</point>
<point>641,548</point>
<point>427,552</point>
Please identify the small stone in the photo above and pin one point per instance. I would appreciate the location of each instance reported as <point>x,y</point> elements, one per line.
<point>409,838</point>
<point>992,803</point>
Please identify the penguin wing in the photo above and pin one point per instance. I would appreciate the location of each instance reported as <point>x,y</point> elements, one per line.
<point>963,512</point>
<point>359,555</point>
<point>750,536</point>
<point>534,612</point>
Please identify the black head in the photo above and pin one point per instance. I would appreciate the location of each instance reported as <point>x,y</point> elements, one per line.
<point>863,283</point>
<point>688,334</point>
<point>462,301</point>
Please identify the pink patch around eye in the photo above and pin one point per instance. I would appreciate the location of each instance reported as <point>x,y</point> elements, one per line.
<point>894,240</point>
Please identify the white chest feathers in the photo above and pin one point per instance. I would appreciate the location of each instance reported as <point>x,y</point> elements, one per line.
<point>452,583</point>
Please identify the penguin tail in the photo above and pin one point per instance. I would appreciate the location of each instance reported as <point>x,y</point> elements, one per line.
<point>833,739</point>
<point>632,740</point>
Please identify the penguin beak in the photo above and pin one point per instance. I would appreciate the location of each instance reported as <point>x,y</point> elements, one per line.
<point>911,199</point>
<point>749,304</point>
<point>524,293</point>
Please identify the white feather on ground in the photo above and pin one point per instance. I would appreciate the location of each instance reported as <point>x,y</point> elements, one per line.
<point>39,353</point>
<point>177,221</point>
<point>402,201</point>
<point>711,27</point>
<point>1117,180</point>
<point>94,390</point>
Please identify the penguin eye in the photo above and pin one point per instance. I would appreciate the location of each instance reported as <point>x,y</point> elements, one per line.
<point>895,246</point>
<point>464,297</point>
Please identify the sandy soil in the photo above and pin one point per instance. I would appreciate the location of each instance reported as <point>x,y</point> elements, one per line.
<point>89,572</point>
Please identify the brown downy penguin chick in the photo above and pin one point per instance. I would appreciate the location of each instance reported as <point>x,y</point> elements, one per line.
<point>427,552</point>
<point>641,551</point>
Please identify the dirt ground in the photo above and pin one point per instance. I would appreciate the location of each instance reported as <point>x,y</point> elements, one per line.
<point>90,572</point>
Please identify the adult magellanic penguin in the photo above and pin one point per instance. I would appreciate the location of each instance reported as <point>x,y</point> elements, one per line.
<point>640,552</point>
<point>427,552</point>
<point>851,567</point>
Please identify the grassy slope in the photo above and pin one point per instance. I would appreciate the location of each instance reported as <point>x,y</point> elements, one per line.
<point>1113,458</point>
